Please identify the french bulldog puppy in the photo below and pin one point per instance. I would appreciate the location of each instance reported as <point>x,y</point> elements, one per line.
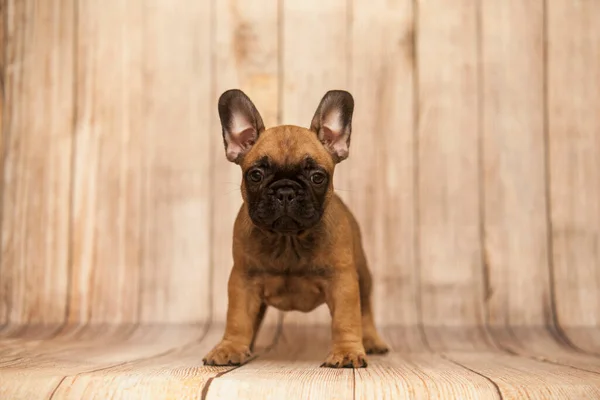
<point>295,243</point>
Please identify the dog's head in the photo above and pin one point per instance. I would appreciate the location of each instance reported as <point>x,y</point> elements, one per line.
<point>287,170</point>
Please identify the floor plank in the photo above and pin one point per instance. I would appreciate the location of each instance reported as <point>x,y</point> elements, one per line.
<point>44,367</point>
<point>523,378</point>
<point>518,376</point>
<point>587,339</point>
<point>419,375</point>
<point>290,371</point>
<point>162,362</point>
<point>541,344</point>
<point>178,373</point>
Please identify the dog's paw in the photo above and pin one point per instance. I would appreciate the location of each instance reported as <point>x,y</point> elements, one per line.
<point>374,345</point>
<point>227,353</point>
<point>346,357</point>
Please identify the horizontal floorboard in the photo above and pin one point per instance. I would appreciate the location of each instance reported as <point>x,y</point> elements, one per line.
<point>162,362</point>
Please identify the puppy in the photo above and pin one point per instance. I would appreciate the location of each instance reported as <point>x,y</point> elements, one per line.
<point>295,244</point>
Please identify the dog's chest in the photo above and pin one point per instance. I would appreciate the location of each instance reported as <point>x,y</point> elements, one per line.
<point>300,291</point>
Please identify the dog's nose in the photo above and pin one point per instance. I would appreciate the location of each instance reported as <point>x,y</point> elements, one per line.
<point>285,194</point>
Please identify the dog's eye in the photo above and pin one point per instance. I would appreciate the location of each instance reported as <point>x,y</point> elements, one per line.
<point>317,178</point>
<point>255,176</point>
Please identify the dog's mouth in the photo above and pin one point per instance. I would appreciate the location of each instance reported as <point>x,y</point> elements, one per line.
<point>286,224</point>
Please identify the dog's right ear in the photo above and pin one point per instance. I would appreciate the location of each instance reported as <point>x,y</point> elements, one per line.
<point>241,123</point>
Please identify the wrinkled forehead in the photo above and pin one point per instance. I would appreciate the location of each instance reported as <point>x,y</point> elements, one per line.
<point>287,146</point>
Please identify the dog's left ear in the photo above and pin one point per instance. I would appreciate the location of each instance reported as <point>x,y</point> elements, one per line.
<point>241,124</point>
<point>333,123</point>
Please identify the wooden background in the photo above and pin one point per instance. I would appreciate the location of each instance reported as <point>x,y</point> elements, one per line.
<point>474,168</point>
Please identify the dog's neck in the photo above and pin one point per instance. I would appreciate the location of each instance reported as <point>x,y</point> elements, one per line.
<point>277,246</point>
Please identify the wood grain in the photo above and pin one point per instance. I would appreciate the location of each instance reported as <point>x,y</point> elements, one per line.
<point>37,142</point>
<point>514,374</point>
<point>175,182</point>
<point>448,189</point>
<point>574,158</point>
<point>3,52</point>
<point>173,372</point>
<point>42,372</point>
<point>106,209</point>
<point>176,373</point>
<point>515,233</point>
<point>247,48</point>
<point>289,371</point>
<point>418,373</point>
<point>473,171</point>
<point>160,362</point>
<point>381,168</point>
<point>521,378</point>
<point>540,344</point>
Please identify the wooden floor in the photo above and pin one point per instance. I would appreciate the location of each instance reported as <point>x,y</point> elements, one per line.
<point>164,362</point>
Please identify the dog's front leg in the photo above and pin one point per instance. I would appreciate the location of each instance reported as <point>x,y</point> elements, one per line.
<point>343,300</point>
<point>243,309</point>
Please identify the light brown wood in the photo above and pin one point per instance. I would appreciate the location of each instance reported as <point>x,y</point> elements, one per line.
<point>515,234</point>
<point>521,378</point>
<point>417,373</point>
<point>44,369</point>
<point>106,202</point>
<point>473,172</point>
<point>37,141</point>
<point>289,371</point>
<point>382,152</point>
<point>542,344</point>
<point>449,253</point>
<point>177,105</point>
<point>574,165</point>
<point>175,372</point>
<point>516,376</point>
<point>164,362</point>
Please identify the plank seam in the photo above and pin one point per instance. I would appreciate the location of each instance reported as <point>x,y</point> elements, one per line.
<point>162,354</point>
<point>497,388</point>
<point>56,388</point>
<point>554,326</point>
<point>562,365</point>
<point>534,358</point>
<point>278,334</point>
<point>353,383</point>
<point>138,360</point>
<point>416,171</point>
<point>213,93</point>
<point>484,259</point>
<point>558,336</point>
<point>72,161</point>
<point>5,136</point>
<point>142,160</point>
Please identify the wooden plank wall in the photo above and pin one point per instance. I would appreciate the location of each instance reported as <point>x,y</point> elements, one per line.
<point>474,163</point>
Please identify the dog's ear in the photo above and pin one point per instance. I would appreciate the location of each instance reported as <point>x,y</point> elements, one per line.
<point>333,122</point>
<point>241,123</point>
